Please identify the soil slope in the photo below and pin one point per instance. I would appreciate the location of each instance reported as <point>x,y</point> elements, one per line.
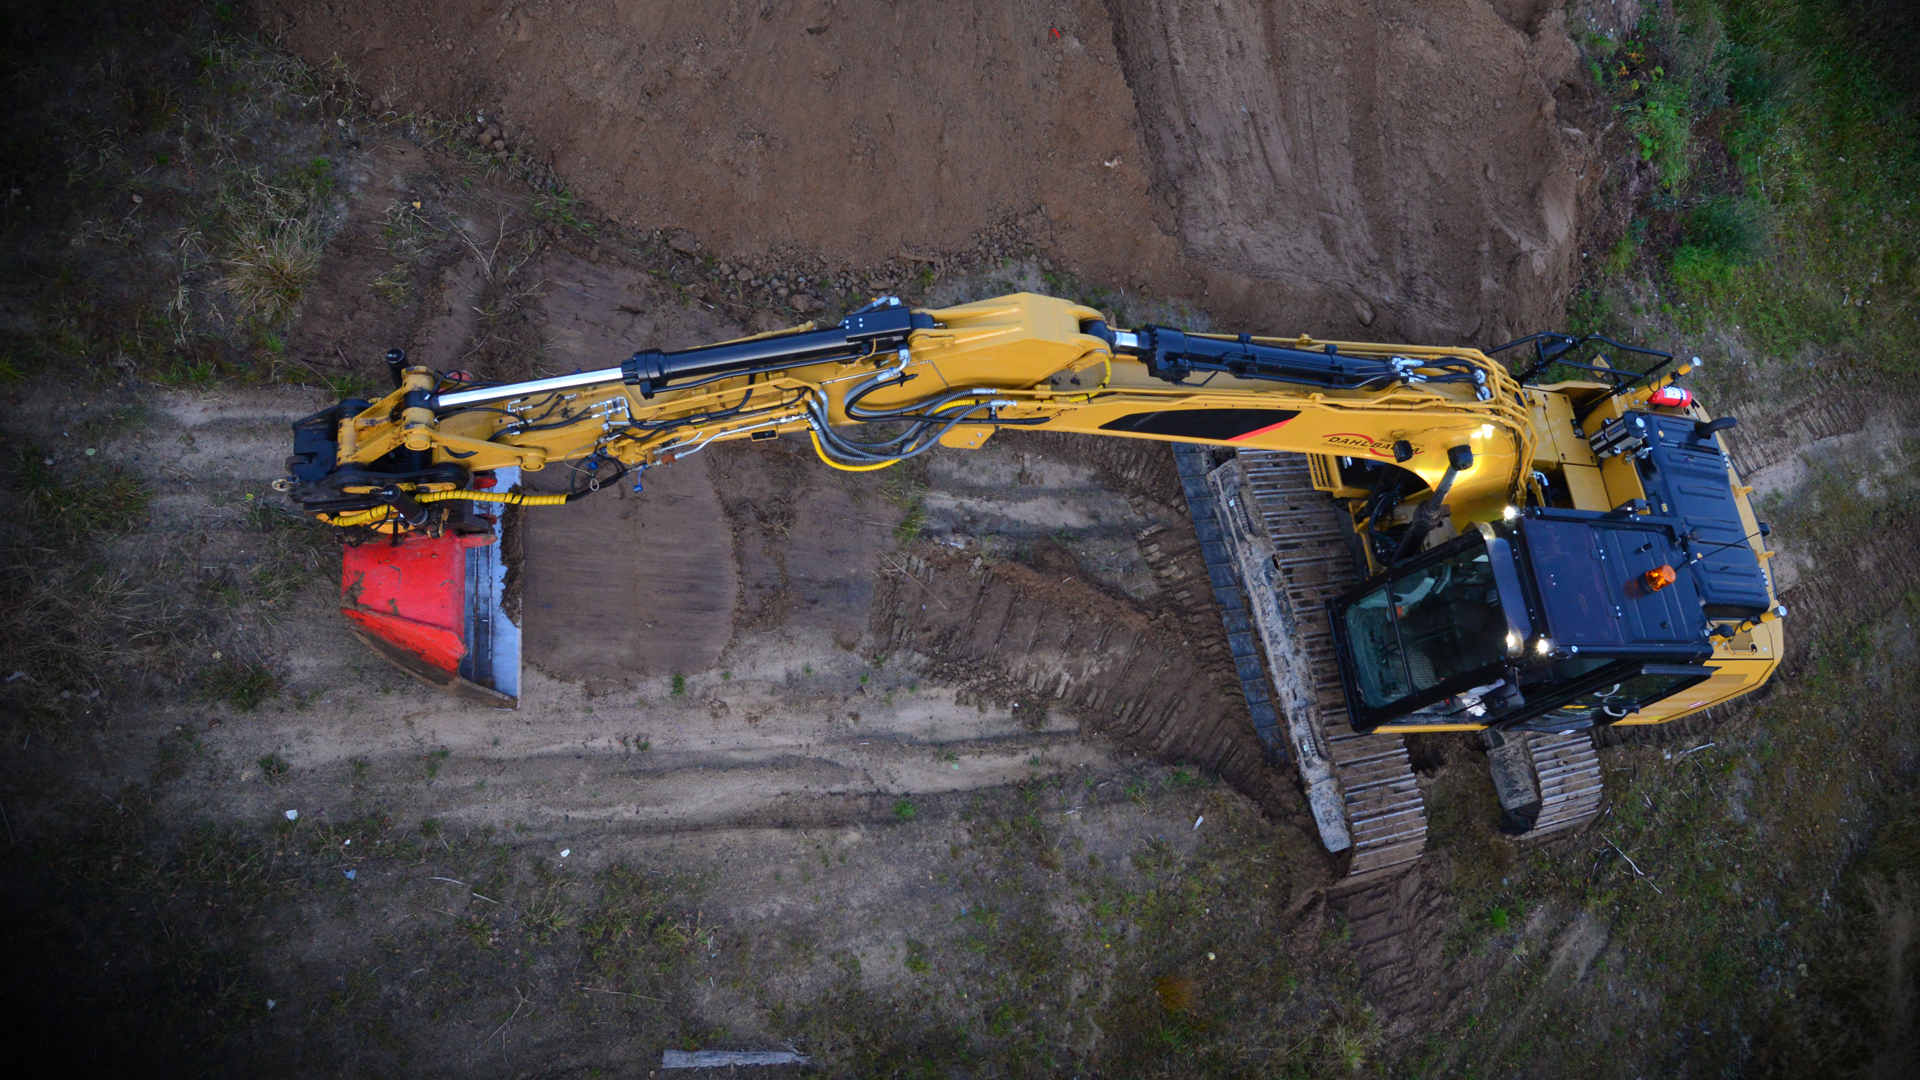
<point>1397,169</point>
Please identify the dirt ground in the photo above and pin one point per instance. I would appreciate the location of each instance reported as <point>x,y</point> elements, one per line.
<point>751,666</point>
<point>1412,170</point>
<point>940,771</point>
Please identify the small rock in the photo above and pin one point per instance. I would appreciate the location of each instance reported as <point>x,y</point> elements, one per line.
<point>803,303</point>
<point>1363,311</point>
<point>293,815</point>
<point>879,284</point>
<point>499,144</point>
<point>684,243</point>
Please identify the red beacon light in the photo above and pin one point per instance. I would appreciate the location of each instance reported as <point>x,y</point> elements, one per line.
<point>1672,397</point>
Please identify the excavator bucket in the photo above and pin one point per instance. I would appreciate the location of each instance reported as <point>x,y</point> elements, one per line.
<point>434,607</point>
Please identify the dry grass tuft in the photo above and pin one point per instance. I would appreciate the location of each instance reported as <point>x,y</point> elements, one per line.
<point>270,266</point>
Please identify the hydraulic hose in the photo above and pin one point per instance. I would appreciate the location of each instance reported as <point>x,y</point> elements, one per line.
<point>821,451</point>
<point>510,498</point>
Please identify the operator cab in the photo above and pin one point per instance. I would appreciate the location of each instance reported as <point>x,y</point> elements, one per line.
<point>1548,623</point>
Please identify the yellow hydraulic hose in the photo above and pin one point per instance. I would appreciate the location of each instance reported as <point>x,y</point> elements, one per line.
<point>822,451</point>
<point>1104,380</point>
<point>510,498</point>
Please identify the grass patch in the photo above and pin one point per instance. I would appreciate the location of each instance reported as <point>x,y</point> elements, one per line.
<point>1787,142</point>
<point>71,504</point>
<point>293,551</point>
<point>1718,238</point>
<point>1175,961</point>
<point>395,286</point>
<point>74,637</point>
<point>909,496</point>
<point>243,684</point>
<point>558,206</point>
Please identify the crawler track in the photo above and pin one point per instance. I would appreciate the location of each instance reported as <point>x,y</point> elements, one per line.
<point>1386,819</point>
<point>1567,769</point>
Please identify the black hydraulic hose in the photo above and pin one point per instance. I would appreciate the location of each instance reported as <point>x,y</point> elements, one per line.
<point>916,442</point>
<point>657,426</point>
<point>923,438</point>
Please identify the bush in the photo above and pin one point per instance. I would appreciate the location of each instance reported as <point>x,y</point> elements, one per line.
<point>1663,123</point>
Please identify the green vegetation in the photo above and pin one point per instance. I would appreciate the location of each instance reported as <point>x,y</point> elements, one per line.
<point>905,492</point>
<point>198,164</point>
<point>560,207</point>
<point>243,684</point>
<point>1787,149</point>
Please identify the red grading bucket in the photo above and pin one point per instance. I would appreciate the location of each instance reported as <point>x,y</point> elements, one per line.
<point>433,607</point>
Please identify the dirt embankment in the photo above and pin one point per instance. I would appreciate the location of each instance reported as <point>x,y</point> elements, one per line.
<point>1406,170</point>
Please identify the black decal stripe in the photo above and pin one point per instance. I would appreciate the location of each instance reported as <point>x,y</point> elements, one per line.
<point>1212,425</point>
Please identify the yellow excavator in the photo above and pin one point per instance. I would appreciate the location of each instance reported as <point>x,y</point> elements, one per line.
<point>1536,556</point>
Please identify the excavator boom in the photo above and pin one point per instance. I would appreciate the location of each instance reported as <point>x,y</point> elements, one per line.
<point>1504,525</point>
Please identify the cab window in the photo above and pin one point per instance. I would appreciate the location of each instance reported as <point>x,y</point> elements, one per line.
<point>1422,628</point>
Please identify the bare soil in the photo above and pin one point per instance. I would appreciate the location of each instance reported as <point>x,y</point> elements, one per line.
<point>1402,170</point>
<point>815,712</point>
<point>942,769</point>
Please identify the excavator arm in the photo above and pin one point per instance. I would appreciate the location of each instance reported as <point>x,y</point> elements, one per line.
<point>889,383</point>
<point>1424,443</point>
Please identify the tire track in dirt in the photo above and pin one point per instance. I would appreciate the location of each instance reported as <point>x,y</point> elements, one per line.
<point>1831,409</point>
<point>1015,633</point>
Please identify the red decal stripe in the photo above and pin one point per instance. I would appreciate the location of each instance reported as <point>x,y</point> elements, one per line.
<point>1262,431</point>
